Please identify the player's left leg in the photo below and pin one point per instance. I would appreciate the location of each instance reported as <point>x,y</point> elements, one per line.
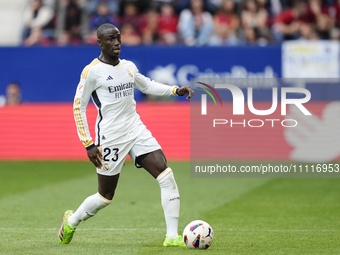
<point>155,163</point>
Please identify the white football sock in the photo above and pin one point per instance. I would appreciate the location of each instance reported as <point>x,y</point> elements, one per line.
<point>170,201</point>
<point>88,208</point>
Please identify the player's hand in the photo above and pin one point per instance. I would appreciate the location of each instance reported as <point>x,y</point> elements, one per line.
<point>186,90</point>
<point>95,156</point>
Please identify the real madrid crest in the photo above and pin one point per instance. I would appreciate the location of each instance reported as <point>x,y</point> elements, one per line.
<point>130,74</point>
<point>106,166</point>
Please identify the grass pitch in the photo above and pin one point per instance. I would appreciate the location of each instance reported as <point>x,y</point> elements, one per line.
<point>249,216</point>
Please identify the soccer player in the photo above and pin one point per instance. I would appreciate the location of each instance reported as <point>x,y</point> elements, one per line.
<point>110,81</point>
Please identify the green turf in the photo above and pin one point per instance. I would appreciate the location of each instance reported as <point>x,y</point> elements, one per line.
<point>249,216</point>
<point>17,177</point>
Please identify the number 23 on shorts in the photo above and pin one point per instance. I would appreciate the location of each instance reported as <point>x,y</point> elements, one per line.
<point>107,152</point>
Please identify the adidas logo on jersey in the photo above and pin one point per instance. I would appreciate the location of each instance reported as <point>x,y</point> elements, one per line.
<point>103,138</point>
<point>109,78</point>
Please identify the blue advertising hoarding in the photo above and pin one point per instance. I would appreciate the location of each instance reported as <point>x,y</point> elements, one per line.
<point>52,74</point>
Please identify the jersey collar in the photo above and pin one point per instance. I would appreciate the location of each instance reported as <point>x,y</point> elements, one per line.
<point>118,64</point>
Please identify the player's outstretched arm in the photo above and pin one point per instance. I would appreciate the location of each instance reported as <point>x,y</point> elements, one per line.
<point>185,91</point>
<point>95,156</point>
<point>150,87</point>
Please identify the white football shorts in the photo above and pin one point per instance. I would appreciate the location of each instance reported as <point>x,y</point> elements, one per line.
<point>136,143</point>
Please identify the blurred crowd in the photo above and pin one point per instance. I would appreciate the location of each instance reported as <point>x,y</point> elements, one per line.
<point>184,22</point>
<point>13,95</point>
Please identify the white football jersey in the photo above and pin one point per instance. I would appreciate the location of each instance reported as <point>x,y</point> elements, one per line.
<point>111,88</point>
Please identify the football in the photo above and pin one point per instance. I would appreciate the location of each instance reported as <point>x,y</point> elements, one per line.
<point>198,235</point>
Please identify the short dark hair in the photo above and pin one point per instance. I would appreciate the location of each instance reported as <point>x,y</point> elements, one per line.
<point>101,28</point>
<point>15,83</point>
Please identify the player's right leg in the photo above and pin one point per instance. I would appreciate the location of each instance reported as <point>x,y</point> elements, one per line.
<point>96,202</point>
<point>91,205</point>
<point>89,208</point>
<point>108,177</point>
